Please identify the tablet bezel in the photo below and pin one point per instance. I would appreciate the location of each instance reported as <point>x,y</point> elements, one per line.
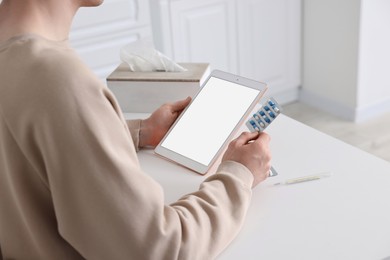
<point>194,165</point>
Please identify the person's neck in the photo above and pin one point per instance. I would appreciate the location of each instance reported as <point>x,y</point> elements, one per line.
<point>51,19</point>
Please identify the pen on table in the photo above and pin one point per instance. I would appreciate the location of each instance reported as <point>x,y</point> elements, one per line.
<point>304,178</point>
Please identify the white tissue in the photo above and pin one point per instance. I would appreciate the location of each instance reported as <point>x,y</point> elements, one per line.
<point>142,56</point>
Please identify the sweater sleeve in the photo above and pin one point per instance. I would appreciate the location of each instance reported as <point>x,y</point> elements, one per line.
<point>105,206</point>
<point>134,128</point>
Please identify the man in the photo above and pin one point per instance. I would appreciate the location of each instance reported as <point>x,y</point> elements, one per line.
<point>70,183</point>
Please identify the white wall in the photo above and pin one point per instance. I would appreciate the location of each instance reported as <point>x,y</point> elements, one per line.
<point>374,58</point>
<point>330,48</point>
<point>346,57</point>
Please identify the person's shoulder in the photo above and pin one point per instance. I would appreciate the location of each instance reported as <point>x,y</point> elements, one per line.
<point>58,62</point>
<point>43,73</point>
<point>43,61</point>
<point>60,68</point>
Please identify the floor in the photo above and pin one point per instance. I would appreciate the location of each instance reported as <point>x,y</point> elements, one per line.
<point>372,136</point>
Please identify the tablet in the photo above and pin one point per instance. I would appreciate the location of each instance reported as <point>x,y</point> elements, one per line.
<point>203,130</point>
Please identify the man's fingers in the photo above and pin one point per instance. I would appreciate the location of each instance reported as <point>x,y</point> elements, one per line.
<point>264,137</point>
<point>245,137</point>
<point>180,105</point>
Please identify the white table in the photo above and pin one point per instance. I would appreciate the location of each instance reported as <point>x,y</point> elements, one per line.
<point>345,216</point>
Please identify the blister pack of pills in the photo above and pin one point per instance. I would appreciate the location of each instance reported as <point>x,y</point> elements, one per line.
<point>267,113</point>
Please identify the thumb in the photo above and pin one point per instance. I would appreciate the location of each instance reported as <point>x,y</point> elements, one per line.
<point>181,104</point>
<point>245,137</point>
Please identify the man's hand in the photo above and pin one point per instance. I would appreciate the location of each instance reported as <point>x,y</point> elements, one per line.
<point>251,150</point>
<point>156,126</point>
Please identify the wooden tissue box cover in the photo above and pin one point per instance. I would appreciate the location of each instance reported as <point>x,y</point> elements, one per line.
<point>144,92</point>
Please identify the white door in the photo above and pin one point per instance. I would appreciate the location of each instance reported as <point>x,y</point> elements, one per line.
<point>259,39</point>
<point>269,43</point>
<point>204,31</point>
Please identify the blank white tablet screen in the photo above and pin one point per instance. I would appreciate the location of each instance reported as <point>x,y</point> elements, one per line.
<point>209,120</point>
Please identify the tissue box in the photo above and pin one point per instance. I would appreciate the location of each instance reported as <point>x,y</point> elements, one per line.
<point>144,92</point>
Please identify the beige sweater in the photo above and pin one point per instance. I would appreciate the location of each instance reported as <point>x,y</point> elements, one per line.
<point>71,186</point>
